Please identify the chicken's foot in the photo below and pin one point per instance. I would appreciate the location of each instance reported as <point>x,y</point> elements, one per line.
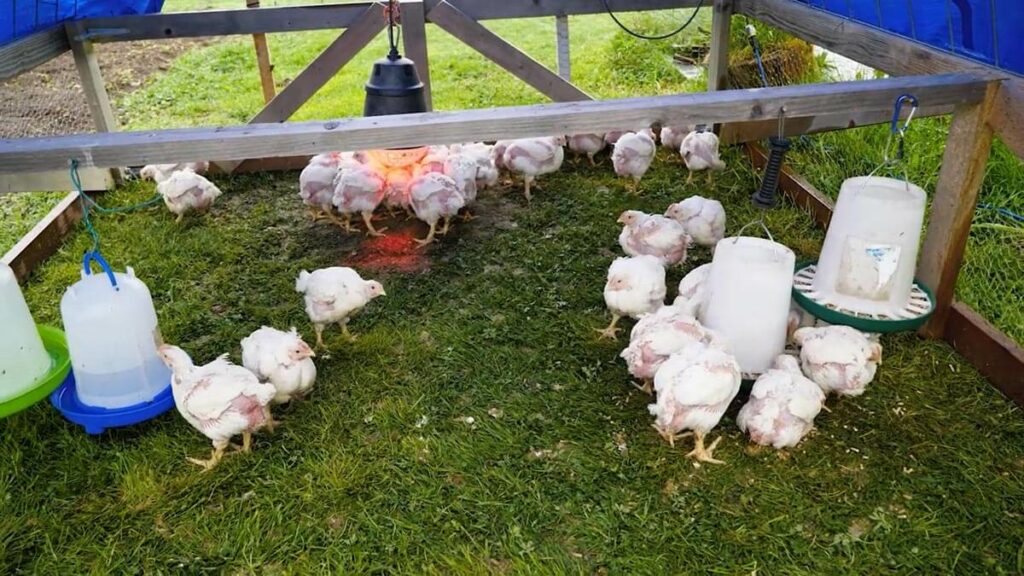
<point>647,388</point>
<point>702,454</point>
<point>370,230</point>
<point>611,332</point>
<point>319,328</point>
<point>447,223</point>
<point>430,236</point>
<point>215,457</point>
<point>689,179</point>
<point>344,330</point>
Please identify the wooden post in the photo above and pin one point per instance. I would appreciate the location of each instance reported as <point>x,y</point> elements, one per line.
<point>956,193</point>
<point>263,59</point>
<point>414,41</point>
<point>93,87</point>
<point>562,47</point>
<point>718,61</point>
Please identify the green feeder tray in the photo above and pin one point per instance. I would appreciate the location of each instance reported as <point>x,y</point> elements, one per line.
<point>60,366</point>
<point>913,316</point>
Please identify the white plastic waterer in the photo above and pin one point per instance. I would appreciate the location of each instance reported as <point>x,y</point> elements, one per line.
<point>112,335</point>
<point>23,358</point>
<point>870,253</point>
<point>750,288</point>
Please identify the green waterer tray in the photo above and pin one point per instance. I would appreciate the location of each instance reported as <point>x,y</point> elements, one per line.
<point>60,366</point>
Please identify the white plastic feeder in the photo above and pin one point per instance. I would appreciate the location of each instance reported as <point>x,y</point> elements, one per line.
<point>870,253</point>
<point>112,335</point>
<point>750,288</point>
<point>23,358</point>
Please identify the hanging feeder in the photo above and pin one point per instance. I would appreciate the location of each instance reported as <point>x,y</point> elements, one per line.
<point>112,334</point>
<point>865,275</point>
<point>33,358</point>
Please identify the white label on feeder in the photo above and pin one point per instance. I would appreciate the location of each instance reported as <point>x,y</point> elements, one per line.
<point>867,270</point>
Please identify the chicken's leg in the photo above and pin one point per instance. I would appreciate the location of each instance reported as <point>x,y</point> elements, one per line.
<point>315,214</point>
<point>319,335</point>
<point>711,175</point>
<point>430,236</point>
<point>611,331</point>
<point>247,437</point>
<point>334,219</point>
<point>592,161</point>
<point>702,454</point>
<point>689,179</point>
<point>215,456</point>
<point>370,230</point>
<point>270,425</point>
<point>647,388</point>
<point>670,437</point>
<point>179,218</point>
<point>344,330</point>
<point>527,180</point>
<point>635,187</point>
<point>447,223</point>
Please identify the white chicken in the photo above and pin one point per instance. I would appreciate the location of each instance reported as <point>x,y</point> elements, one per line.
<point>282,359</point>
<point>672,136</point>
<point>358,190</point>
<point>486,172</point>
<point>334,295</point>
<point>839,359</point>
<point>185,191</point>
<point>635,286</point>
<point>498,154</point>
<point>782,407</point>
<point>435,197</point>
<point>657,336</point>
<point>703,218</point>
<point>462,169</point>
<point>694,387</point>
<point>396,190</point>
<point>533,157</point>
<point>316,182</point>
<point>700,152</point>
<point>589,144</point>
<point>632,156</point>
<point>220,399</point>
<point>610,138</point>
<point>160,172</point>
<point>653,234</point>
<point>693,290</point>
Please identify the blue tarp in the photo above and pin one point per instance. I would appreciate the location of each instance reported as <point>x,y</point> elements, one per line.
<point>988,31</point>
<point>22,17</point>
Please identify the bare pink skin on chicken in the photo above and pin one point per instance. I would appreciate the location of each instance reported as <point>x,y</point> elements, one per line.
<point>300,352</point>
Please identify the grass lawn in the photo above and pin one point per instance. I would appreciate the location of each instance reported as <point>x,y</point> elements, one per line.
<point>559,470</point>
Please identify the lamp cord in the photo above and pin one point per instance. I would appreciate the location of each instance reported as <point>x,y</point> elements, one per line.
<point>608,8</point>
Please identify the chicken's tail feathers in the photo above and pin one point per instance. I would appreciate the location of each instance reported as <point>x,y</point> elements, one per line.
<point>718,164</point>
<point>302,282</point>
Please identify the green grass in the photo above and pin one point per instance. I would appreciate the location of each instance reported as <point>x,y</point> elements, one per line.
<point>378,471</point>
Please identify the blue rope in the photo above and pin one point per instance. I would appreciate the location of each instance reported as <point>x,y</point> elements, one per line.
<point>89,204</point>
<point>1005,212</point>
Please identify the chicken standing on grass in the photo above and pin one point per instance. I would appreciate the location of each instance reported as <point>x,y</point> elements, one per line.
<point>316,183</point>
<point>220,399</point>
<point>462,169</point>
<point>359,190</point>
<point>533,157</point>
<point>486,172</point>
<point>782,407</point>
<point>839,359</point>
<point>333,295</point>
<point>655,235</point>
<point>281,359</point>
<point>185,191</point>
<point>589,144</point>
<point>672,136</point>
<point>633,155</point>
<point>434,197</point>
<point>635,286</point>
<point>160,172</point>
<point>657,336</point>
<point>694,387</point>
<point>700,152</point>
<point>703,218</point>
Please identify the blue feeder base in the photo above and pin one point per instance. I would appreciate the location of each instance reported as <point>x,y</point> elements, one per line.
<point>97,420</point>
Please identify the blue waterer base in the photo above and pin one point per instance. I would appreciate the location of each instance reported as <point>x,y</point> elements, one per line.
<point>97,420</point>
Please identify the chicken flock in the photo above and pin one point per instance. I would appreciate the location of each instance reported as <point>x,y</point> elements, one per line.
<point>687,367</point>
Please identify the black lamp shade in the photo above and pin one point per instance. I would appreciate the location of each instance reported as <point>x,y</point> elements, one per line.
<point>394,88</point>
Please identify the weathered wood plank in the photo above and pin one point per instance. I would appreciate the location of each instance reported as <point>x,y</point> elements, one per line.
<point>476,36</point>
<point>93,180</point>
<point>495,9</point>
<point>739,132</point>
<point>414,40</point>
<point>259,42</point>
<point>956,194</point>
<point>221,22</point>
<point>92,84</point>
<point>562,51</point>
<point>994,354</point>
<point>718,63</point>
<point>892,54</point>
<point>45,238</point>
<point>289,139</point>
<point>26,53</point>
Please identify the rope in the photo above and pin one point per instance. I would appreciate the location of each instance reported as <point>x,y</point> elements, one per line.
<point>608,8</point>
<point>88,204</point>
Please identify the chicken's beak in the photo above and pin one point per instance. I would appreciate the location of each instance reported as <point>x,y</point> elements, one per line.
<point>383,293</point>
<point>622,219</point>
<point>312,354</point>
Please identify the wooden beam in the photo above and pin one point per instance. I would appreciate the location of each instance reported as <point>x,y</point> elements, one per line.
<point>45,238</point>
<point>495,9</point>
<point>93,180</point>
<point>562,47</point>
<point>266,69</point>
<point>26,53</point>
<point>414,40</point>
<point>956,194</point>
<point>994,354</point>
<point>289,139</point>
<point>94,88</point>
<point>476,36</point>
<point>718,63</point>
<point>221,22</point>
<point>892,54</point>
<point>740,132</point>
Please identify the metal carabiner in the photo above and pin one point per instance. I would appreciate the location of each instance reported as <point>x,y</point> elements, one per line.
<point>895,127</point>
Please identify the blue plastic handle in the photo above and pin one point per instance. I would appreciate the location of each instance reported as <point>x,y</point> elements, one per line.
<point>895,127</point>
<point>92,256</point>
